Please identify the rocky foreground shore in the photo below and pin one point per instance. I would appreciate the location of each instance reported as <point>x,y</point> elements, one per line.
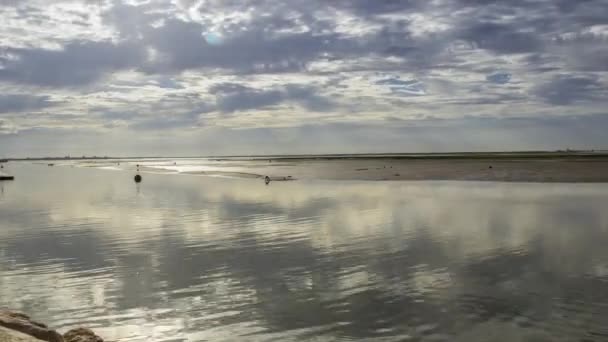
<point>17,327</point>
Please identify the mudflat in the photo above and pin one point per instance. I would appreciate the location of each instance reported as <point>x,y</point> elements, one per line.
<point>486,169</point>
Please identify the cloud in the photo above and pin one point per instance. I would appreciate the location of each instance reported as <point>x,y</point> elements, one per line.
<point>406,88</point>
<point>78,63</point>
<point>17,103</point>
<point>499,78</point>
<point>501,38</point>
<point>374,7</point>
<point>233,97</point>
<point>585,52</point>
<point>190,65</point>
<point>182,45</point>
<point>570,89</point>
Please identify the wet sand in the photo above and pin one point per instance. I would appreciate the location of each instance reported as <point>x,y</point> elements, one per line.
<point>508,170</point>
<point>505,167</point>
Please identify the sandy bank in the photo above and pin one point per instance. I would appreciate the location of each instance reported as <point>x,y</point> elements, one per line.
<point>507,170</point>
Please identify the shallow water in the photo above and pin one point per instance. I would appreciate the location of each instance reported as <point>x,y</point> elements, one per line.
<point>192,258</point>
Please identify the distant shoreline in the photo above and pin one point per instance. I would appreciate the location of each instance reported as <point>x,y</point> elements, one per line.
<point>394,156</point>
<point>544,167</point>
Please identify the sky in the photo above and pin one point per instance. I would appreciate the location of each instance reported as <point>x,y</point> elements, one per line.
<point>233,77</point>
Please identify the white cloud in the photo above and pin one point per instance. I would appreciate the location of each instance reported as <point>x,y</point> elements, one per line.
<point>150,65</point>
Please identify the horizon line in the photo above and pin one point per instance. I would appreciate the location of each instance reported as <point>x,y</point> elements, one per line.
<point>301,155</point>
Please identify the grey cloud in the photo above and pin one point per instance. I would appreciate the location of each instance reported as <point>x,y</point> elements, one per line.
<point>157,39</point>
<point>78,63</point>
<point>163,123</point>
<point>307,97</point>
<point>222,88</point>
<point>570,89</point>
<point>233,97</point>
<point>182,46</point>
<point>168,83</point>
<point>499,78</point>
<point>172,112</point>
<point>256,47</point>
<point>10,2</point>
<point>585,52</point>
<point>130,20</point>
<point>248,99</point>
<point>108,114</point>
<point>492,99</point>
<point>501,38</point>
<point>16,103</point>
<point>372,7</point>
<point>401,87</point>
<point>273,41</point>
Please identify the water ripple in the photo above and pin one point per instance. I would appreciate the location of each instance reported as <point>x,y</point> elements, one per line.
<point>180,258</point>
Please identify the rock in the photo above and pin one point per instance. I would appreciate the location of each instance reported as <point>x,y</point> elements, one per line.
<point>8,335</point>
<point>23,324</point>
<point>81,335</point>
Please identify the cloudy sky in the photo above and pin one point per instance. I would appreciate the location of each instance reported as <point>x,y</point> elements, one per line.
<point>211,77</point>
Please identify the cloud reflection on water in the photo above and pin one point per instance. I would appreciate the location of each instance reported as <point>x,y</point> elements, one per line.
<point>194,258</point>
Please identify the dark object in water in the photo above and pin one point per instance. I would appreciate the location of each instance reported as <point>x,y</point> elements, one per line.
<point>137,179</point>
<point>397,175</point>
<point>267,180</point>
<point>6,178</point>
<point>51,164</point>
<point>490,167</point>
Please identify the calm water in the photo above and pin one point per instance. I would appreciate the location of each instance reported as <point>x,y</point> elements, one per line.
<point>190,258</point>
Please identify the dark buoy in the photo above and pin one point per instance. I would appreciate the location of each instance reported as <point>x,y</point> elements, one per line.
<point>137,179</point>
<point>267,180</point>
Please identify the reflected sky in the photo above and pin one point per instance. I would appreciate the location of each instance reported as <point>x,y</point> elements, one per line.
<point>190,258</point>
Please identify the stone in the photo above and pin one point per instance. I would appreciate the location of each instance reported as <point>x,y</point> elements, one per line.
<point>9,335</point>
<point>22,323</point>
<point>81,335</point>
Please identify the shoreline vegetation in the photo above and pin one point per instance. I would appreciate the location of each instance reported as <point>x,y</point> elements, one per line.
<point>18,327</point>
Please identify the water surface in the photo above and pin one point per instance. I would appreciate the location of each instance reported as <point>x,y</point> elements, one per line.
<point>193,258</point>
